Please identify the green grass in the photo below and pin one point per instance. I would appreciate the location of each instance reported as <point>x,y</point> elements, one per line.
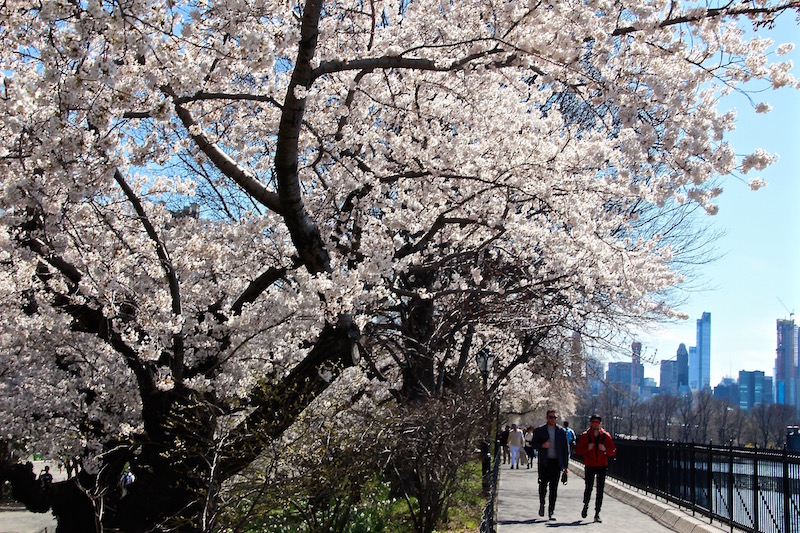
<point>379,512</point>
<point>466,507</point>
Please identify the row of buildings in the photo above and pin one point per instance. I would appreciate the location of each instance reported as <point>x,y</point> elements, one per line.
<point>755,387</point>
<point>690,370</point>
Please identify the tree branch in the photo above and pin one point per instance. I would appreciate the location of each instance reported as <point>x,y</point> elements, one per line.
<point>277,404</point>
<point>258,286</point>
<point>176,361</point>
<point>305,234</point>
<point>224,163</point>
<point>716,12</point>
<point>388,62</point>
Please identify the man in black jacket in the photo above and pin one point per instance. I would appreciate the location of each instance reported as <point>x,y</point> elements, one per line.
<point>551,442</point>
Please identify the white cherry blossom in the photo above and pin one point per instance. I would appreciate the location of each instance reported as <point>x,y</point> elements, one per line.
<point>203,201</point>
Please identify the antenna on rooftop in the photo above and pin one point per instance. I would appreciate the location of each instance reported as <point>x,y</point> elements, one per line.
<point>791,313</point>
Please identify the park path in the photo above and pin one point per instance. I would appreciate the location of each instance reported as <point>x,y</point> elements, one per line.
<point>624,509</point>
<point>15,519</point>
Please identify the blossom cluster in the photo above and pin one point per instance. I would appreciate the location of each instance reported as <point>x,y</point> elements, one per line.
<point>517,165</point>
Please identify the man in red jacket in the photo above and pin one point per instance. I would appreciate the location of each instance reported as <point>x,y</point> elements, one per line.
<point>596,446</point>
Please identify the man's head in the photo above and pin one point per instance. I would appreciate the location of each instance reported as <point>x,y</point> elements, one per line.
<point>595,421</point>
<point>513,426</point>
<point>551,417</point>
<point>566,423</point>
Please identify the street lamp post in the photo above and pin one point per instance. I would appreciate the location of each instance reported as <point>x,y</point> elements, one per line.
<point>484,359</point>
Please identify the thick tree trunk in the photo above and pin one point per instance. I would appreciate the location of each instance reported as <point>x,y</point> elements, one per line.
<point>66,499</point>
<point>172,464</point>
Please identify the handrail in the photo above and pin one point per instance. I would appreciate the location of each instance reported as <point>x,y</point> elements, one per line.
<point>750,489</point>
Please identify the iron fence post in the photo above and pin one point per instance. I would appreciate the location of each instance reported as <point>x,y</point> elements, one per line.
<point>692,478</point>
<point>731,479</point>
<point>787,524</point>
<point>710,480</point>
<point>755,488</point>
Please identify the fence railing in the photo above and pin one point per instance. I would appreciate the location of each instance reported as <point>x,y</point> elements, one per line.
<point>751,489</point>
<point>487,519</point>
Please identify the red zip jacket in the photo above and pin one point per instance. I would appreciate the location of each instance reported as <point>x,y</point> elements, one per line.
<point>595,457</point>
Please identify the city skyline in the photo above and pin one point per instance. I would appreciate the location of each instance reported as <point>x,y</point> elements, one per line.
<point>756,281</point>
<point>652,368</point>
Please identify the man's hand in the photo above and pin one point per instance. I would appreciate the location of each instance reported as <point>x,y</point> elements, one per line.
<point>591,446</point>
<point>546,444</point>
<point>602,447</point>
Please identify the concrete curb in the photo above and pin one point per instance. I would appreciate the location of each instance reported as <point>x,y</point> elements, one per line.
<point>666,514</point>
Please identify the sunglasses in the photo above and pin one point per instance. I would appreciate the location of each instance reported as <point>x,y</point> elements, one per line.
<point>551,416</point>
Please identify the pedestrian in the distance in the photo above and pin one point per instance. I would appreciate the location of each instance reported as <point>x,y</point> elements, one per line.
<point>515,441</point>
<point>45,477</point>
<point>572,439</point>
<point>529,451</point>
<point>503,438</point>
<point>550,441</point>
<point>596,446</point>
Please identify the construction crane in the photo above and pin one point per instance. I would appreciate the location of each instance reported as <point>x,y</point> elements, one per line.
<point>791,313</point>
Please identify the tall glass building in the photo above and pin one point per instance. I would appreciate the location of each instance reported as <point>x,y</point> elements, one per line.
<point>704,350</point>
<point>754,388</point>
<point>700,355</point>
<point>668,382</point>
<point>786,364</point>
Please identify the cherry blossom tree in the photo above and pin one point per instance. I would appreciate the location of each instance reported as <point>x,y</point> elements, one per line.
<point>211,211</point>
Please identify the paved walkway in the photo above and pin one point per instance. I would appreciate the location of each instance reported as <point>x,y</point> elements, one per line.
<point>14,518</point>
<point>623,509</point>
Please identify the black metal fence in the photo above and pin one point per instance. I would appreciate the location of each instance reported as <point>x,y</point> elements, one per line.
<point>488,519</point>
<point>751,489</point>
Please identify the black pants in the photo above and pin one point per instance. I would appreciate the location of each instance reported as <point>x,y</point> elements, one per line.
<point>591,472</point>
<point>530,454</point>
<point>549,472</point>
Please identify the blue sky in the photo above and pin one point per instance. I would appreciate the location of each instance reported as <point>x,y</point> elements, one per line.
<point>760,267</point>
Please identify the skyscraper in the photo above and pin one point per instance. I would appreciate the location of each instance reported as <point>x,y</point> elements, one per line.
<point>786,363</point>
<point>754,388</point>
<point>700,355</point>
<point>637,368</point>
<point>619,373</point>
<point>683,368</point>
<point>668,382</point>
<point>595,371</point>
<point>728,391</point>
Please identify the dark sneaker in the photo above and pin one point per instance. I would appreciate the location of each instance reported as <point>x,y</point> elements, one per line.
<point>597,518</point>
<point>550,517</point>
<point>541,510</point>
<point>584,511</point>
